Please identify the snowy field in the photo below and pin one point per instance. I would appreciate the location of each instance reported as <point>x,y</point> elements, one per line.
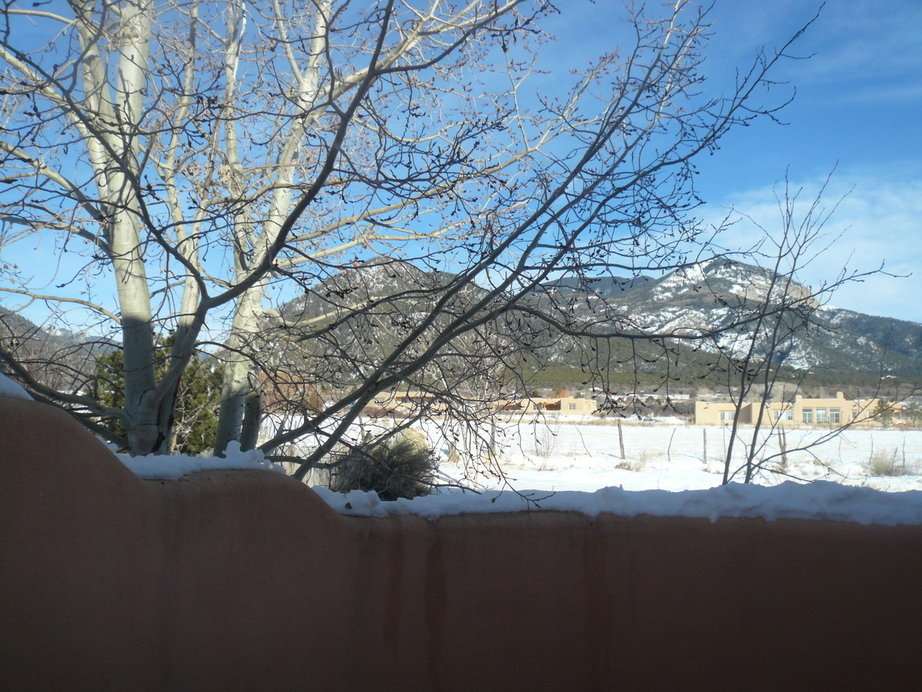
<point>673,469</point>
<point>670,455</point>
<point>668,468</point>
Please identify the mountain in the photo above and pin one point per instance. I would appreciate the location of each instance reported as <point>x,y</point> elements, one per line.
<point>342,326</point>
<point>702,296</point>
<point>711,295</point>
<point>371,319</point>
<point>716,293</point>
<point>57,358</point>
<point>370,286</point>
<point>608,287</point>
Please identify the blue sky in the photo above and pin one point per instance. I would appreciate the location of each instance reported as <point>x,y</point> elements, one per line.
<point>858,109</point>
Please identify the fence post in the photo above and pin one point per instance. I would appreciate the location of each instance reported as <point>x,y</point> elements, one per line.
<point>784,448</point>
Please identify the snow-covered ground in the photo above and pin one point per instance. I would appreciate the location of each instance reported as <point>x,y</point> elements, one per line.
<point>168,466</point>
<point>668,469</point>
<point>562,454</point>
<point>819,500</point>
<point>673,469</point>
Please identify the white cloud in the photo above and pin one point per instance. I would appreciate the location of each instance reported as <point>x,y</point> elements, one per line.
<point>865,44</point>
<point>859,39</point>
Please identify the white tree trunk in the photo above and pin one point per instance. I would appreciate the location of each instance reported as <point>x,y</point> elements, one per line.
<point>240,381</point>
<point>114,156</point>
<point>239,378</point>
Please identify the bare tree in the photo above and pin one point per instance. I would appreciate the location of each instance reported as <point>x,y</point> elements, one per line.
<point>211,158</point>
<point>763,356</point>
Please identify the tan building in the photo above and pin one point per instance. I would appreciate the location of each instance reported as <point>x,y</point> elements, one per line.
<point>829,411</point>
<point>568,405</point>
<point>407,400</point>
<point>576,406</point>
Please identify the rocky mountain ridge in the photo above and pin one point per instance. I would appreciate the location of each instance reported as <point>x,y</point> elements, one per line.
<point>708,296</point>
<point>713,294</point>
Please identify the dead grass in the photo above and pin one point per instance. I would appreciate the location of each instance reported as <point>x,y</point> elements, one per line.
<point>891,464</point>
<point>637,464</point>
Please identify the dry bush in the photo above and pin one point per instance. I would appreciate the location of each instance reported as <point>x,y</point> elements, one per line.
<point>884,464</point>
<point>545,436</point>
<point>400,467</point>
<point>637,464</point>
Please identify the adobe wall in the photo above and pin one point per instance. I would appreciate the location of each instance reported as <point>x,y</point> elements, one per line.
<point>247,580</point>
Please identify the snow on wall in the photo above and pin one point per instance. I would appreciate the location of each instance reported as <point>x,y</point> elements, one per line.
<point>172,467</point>
<point>10,388</point>
<point>822,500</point>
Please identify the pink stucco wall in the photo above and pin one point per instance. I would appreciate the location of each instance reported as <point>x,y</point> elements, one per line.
<point>247,580</point>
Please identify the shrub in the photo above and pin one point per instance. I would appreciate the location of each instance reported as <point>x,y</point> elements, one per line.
<point>198,397</point>
<point>401,467</point>
<point>637,464</point>
<point>883,464</point>
<point>545,439</point>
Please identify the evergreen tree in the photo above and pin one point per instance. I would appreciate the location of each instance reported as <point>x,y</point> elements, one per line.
<point>198,397</point>
<point>883,413</point>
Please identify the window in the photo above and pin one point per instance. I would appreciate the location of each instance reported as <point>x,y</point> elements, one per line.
<point>572,407</point>
<point>835,416</point>
<point>726,416</point>
<point>808,415</point>
<point>821,415</point>
<point>786,414</point>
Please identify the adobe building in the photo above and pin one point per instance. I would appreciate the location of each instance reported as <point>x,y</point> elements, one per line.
<point>570,405</point>
<point>406,400</point>
<point>828,411</point>
<point>566,405</point>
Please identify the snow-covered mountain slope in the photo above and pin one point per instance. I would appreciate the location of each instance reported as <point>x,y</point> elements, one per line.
<point>725,295</point>
<point>719,297</point>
